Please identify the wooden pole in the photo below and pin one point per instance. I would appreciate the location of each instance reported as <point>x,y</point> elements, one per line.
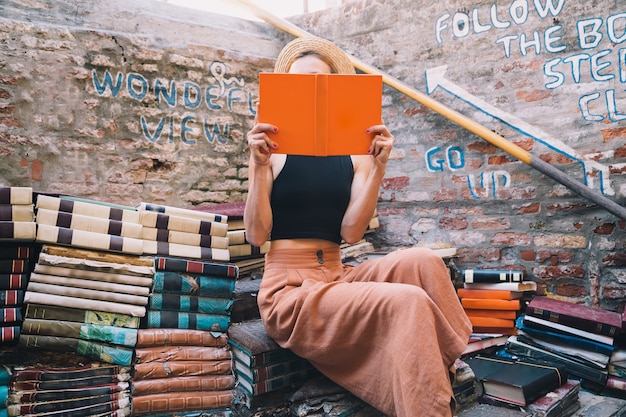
<point>456,117</point>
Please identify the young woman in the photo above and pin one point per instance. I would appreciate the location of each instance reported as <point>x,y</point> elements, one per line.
<point>387,330</point>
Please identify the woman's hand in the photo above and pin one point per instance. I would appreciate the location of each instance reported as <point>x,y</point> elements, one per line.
<point>382,142</point>
<point>260,144</point>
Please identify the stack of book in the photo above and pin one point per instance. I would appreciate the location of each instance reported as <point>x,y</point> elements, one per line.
<point>88,224</point>
<point>580,337</point>
<point>261,366</point>
<point>87,302</point>
<point>185,233</point>
<point>90,390</point>
<point>17,221</point>
<point>181,370</point>
<point>492,299</point>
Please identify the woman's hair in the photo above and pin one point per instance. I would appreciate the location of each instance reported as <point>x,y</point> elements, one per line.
<point>302,54</point>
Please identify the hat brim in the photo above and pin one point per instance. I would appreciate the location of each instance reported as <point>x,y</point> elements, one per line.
<point>337,59</point>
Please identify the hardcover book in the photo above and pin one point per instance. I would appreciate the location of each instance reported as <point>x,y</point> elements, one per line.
<point>271,371</point>
<point>10,230</point>
<point>518,382</point>
<point>560,402</point>
<point>182,224</point>
<point>32,396</point>
<point>10,315</point>
<point>181,353</point>
<point>95,259</point>
<point>185,320</point>
<point>88,208</point>
<point>500,314</point>
<point>506,286</point>
<point>196,267</point>
<point>14,266</point>
<point>591,319</point>
<point>491,322</point>
<point>18,250</point>
<point>32,297</point>
<point>177,249</point>
<point>90,410</point>
<point>16,195</point>
<point>205,215</point>
<point>109,334</point>
<point>11,297</point>
<point>273,384</point>
<point>247,250</point>
<point>52,408</point>
<point>489,294</point>
<point>492,275</point>
<point>190,383</point>
<point>85,293</point>
<point>13,281</point>
<point>104,318</point>
<point>536,322</point>
<point>590,358</point>
<point>17,213</point>
<point>180,401</point>
<point>193,284</point>
<point>321,114</point>
<point>173,369</point>
<point>190,303</point>
<point>103,285</point>
<point>9,334</point>
<point>88,240</point>
<point>89,223</point>
<point>180,337</point>
<point>490,304</point>
<point>191,239</point>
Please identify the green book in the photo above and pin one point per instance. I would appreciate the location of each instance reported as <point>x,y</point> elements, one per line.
<point>185,320</point>
<point>193,284</point>
<point>190,303</point>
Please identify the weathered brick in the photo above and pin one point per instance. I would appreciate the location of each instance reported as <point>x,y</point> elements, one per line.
<point>571,290</point>
<point>559,271</point>
<point>560,241</point>
<point>453,223</point>
<point>554,256</point>
<point>605,229</point>
<point>527,255</point>
<point>510,239</point>
<point>490,223</point>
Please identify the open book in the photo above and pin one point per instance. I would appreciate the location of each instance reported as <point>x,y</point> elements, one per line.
<point>321,114</point>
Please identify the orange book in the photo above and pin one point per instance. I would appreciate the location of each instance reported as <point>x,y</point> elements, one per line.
<point>501,314</point>
<point>495,330</point>
<point>490,304</point>
<point>491,322</point>
<point>321,114</point>
<point>498,294</point>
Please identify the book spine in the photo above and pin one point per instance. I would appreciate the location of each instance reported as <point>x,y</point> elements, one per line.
<point>67,394</point>
<point>172,282</point>
<point>269,385</point>
<point>90,284</point>
<point>181,353</point>
<point>97,260</point>
<point>89,223</point>
<point>110,334</point>
<point>109,276</point>
<point>89,240</point>
<point>65,384</point>
<point>177,211</point>
<point>182,224</point>
<point>176,249</point>
<point>248,250</point>
<point>14,266</point>
<point>200,383</point>
<point>17,250</point>
<point>10,315</point>
<point>159,337</point>
<point>190,303</point>
<point>13,281</point>
<point>11,297</point>
<point>106,353</point>
<point>278,369</point>
<point>87,208</point>
<point>49,312</point>
<point>490,304</point>
<point>171,369</point>
<point>491,276</point>
<point>10,230</point>
<point>192,239</point>
<point>196,267</point>
<point>86,411</point>
<point>17,213</point>
<point>49,407</point>
<point>85,293</point>
<point>92,305</point>
<point>16,195</point>
<point>576,322</point>
<point>70,373</point>
<point>183,320</point>
<point>181,401</point>
<point>9,334</point>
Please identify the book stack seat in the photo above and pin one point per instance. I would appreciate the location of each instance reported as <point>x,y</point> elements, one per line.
<point>87,302</point>
<point>580,337</point>
<point>493,299</point>
<point>178,232</point>
<point>87,390</point>
<point>262,367</point>
<point>181,370</point>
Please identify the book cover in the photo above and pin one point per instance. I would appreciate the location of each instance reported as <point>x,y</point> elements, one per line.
<point>181,353</point>
<point>177,384</point>
<point>489,294</point>
<point>9,334</point>
<point>97,260</point>
<point>185,320</point>
<point>196,267</point>
<point>592,374</point>
<point>152,404</point>
<point>252,346</point>
<point>491,322</point>
<point>205,215</point>
<point>584,356</point>
<point>88,240</point>
<point>233,210</point>
<point>98,409</point>
<point>50,312</point>
<point>10,230</point>
<point>500,314</point>
<point>490,304</point>
<point>132,284</point>
<point>83,372</point>
<point>485,343</point>
<point>321,114</point>
<point>192,239</point>
<point>248,250</point>
<point>89,223</point>
<point>559,402</point>
<point>190,303</point>
<point>492,275</point>
<point>495,330</point>
<point>516,381</point>
<point>18,250</point>
<point>109,334</point>
<point>532,321</point>
<point>193,284</point>
<point>177,249</point>
<point>180,337</point>
<point>281,381</point>
<point>14,266</point>
<point>17,213</point>
<point>16,195</point>
<point>11,297</point>
<point>107,286</point>
<point>591,319</point>
<point>32,396</point>
<point>87,208</point>
<point>506,286</point>
<point>173,369</point>
<point>10,315</point>
<point>86,293</point>
<point>182,224</point>
<point>32,297</point>
<point>13,281</point>
<point>272,370</point>
<point>53,408</point>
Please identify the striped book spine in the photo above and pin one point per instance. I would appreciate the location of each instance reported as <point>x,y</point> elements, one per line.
<point>183,320</point>
<point>17,213</point>
<point>89,284</point>
<point>192,284</point>
<point>9,315</point>
<point>104,318</point>
<point>13,281</point>
<point>192,239</point>
<point>190,303</point>
<point>89,240</point>
<point>11,297</point>
<point>181,212</point>
<point>32,396</point>
<point>16,195</point>
<point>182,224</point>
<point>80,406</point>
<point>248,250</point>
<point>196,267</point>
<point>11,230</point>
<point>87,208</point>
<point>32,297</point>
<point>89,223</point>
<point>179,250</point>
<point>9,334</point>
<point>14,266</point>
<point>17,250</point>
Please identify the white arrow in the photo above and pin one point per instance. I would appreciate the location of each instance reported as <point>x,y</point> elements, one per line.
<point>435,78</point>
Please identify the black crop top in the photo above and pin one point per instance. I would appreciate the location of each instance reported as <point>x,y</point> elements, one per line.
<point>309,197</point>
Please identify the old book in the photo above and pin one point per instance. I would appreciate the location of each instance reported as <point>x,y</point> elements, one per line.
<point>104,285</point>
<point>11,230</point>
<point>592,374</point>
<point>85,293</point>
<point>18,250</point>
<point>196,267</point>
<point>110,334</point>
<point>518,382</point>
<point>78,373</point>
<point>500,314</point>
<point>247,250</point>
<point>16,195</point>
<point>10,315</point>
<point>585,356</point>
<point>9,334</point>
<point>278,382</point>
<point>89,240</point>
<point>177,337</point>
<point>11,297</point>
<point>271,371</point>
<point>237,237</point>
<point>151,247</point>
<point>132,284</point>
<point>13,281</point>
<point>32,396</point>
<point>193,284</point>
<point>173,369</point>
<point>205,215</point>
<point>536,322</point>
<point>181,353</point>
<point>491,322</point>
<point>32,297</point>
<point>492,275</point>
<point>89,410</point>
<point>89,223</point>
<point>490,304</point>
<point>95,259</point>
<point>186,320</point>
<point>64,405</point>
<point>192,239</point>
<point>489,294</point>
<point>560,402</point>
<point>114,354</point>
<point>484,343</point>
<point>253,347</point>
<point>190,303</point>
<point>495,330</point>
<point>181,401</point>
<point>506,286</point>
<point>88,208</point>
<point>104,318</point>
<point>17,213</point>
<point>14,266</point>
<point>333,109</point>
<point>182,224</point>
<point>590,319</point>
<point>177,384</point>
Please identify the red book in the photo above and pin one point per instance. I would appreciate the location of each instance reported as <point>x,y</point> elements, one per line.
<point>579,316</point>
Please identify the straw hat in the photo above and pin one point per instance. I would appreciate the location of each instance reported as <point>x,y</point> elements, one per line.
<point>332,54</point>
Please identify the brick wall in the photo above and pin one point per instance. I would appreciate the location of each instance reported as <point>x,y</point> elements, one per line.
<point>87,107</point>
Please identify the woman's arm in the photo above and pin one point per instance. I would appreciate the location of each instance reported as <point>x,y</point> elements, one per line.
<point>368,175</point>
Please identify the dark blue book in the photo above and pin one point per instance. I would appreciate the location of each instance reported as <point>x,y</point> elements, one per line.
<point>190,303</point>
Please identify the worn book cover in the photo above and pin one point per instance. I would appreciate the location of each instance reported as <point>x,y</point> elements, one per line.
<point>186,320</point>
<point>188,383</point>
<point>88,223</point>
<point>173,369</point>
<point>591,319</point>
<point>321,114</point>
<point>208,268</point>
<point>88,404</point>
<point>278,382</point>
<point>190,303</point>
<point>193,284</point>
<point>50,312</point>
<point>182,224</point>
<point>97,260</point>
<point>88,208</point>
<point>31,396</point>
<point>109,334</point>
<point>516,381</point>
<point>272,370</point>
<point>178,337</point>
<point>43,298</point>
<point>561,401</point>
<point>181,353</point>
<point>16,195</point>
<point>153,404</point>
